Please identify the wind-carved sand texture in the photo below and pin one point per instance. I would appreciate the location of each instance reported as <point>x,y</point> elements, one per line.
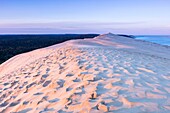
<point>106,74</point>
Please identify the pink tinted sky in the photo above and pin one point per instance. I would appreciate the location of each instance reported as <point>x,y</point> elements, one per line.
<point>84,16</point>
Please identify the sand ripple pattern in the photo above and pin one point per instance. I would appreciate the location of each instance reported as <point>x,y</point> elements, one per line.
<point>92,80</point>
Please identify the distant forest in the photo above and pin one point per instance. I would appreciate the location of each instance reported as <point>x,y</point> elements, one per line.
<point>11,45</point>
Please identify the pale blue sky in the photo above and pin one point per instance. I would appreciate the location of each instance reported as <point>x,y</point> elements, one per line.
<point>85,16</point>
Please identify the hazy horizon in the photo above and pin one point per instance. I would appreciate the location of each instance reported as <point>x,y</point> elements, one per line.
<point>140,17</point>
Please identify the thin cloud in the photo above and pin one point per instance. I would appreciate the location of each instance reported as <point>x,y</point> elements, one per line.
<point>68,24</point>
<point>82,27</point>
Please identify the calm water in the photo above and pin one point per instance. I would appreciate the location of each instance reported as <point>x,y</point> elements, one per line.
<point>163,40</point>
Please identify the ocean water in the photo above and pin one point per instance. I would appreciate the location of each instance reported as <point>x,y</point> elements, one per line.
<point>160,39</point>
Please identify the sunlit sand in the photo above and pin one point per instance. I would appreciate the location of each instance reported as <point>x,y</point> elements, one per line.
<point>109,73</point>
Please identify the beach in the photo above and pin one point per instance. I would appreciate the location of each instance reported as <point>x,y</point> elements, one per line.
<point>108,73</point>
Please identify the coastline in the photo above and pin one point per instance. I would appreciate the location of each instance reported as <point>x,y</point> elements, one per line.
<point>109,73</point>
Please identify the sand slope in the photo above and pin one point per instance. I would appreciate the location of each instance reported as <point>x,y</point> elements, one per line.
<point>106,74</point>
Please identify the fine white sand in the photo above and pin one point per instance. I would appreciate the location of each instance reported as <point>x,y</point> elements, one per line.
<point>109,73</point>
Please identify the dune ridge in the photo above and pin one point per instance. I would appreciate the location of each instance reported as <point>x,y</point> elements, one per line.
<point>109,73</point>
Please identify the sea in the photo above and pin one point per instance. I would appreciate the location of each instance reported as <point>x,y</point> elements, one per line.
<point>159,39</point>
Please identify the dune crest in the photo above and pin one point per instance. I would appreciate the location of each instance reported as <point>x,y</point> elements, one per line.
<point>109,73</point>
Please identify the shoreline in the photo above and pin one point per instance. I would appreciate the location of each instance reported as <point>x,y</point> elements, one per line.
<point>109,73</point>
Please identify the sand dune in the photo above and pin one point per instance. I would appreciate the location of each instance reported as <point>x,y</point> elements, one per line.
<point>106,74</point>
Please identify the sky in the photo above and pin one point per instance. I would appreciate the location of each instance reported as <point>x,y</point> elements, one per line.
<point>85,16</point>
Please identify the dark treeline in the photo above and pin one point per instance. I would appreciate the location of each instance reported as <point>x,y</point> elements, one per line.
<point>11,45</point>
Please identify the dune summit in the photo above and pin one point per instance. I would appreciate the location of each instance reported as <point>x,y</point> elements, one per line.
<point>109,73</point>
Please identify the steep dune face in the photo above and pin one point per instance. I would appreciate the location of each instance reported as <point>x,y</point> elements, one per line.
<point>106,74</point>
